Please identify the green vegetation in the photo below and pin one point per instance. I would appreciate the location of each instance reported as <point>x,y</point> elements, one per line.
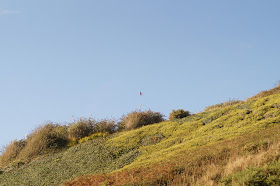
<point>50,138</point>
<point>209,164</point>
<point>206,128</point>
<point>12,151</point>
<point>43,140</point>
<point>222,105</point>
<point>83,159</point>
<point>233,143</point>
<point>267,175</point>
<point>178,114</point>
<point>80,129</point>
<point>266,93</point>
<point>85,127</point>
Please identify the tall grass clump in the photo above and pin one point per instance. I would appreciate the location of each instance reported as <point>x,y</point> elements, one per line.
<point>275,90</point>
<point>52,137</point>
<point>86,127</point>
<point>231,102</point>
<point>11,152</point>
<point>177,114</point>
<point>136,119</point>
<point>104,125</point>
<point>81,128</point>
<point>44,139</point>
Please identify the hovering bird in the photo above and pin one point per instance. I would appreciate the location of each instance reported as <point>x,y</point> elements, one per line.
<point>141,93</point>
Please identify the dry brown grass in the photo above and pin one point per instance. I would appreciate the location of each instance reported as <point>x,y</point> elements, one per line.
<point>52,137</point>
<point>231,102</point>
<point>86,126</point>
<point>81,128</point>
<point>138,119</point>
<point>265,93</point>
<point>44,139</point>
<point>11,152</point>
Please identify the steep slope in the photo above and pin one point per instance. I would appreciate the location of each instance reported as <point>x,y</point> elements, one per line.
<point>212,147</point>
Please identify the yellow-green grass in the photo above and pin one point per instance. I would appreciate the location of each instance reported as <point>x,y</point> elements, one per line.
<point>264,175</point>
<point>75,141</point>
<point>162,141</point>
<point>212,164</point>
<point>171,142</point>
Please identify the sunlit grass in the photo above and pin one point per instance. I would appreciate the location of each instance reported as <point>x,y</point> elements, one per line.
<point>214,126</point>
<point>212,147</point>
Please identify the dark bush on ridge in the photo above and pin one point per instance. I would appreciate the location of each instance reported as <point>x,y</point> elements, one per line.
<point>138,119</point>
<point>177,114</point>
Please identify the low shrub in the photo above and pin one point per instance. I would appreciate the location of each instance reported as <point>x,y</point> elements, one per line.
<point>81,128</point>
<point>105,125</point>
<point>177,114</point>
<point>86,127</point>
<point>136,119</point>
<point>11,152</point>
<point>121,124</point>
<point>43,139</point>
<point>52,137</point>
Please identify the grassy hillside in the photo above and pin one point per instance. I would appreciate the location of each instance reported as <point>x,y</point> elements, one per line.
<point>233,143</point>
<point>86,158</point>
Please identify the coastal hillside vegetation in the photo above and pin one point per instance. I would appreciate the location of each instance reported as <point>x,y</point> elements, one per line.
<point>232,143</point>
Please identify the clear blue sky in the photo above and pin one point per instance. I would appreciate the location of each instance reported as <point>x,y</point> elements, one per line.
<point>63,58</point>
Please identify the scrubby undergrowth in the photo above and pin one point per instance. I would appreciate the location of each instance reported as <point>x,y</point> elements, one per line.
<point>50,138</point>
<point>83,159</point>
<point>136,119</point>
<point>178,114</point>
<point>233,143</point>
